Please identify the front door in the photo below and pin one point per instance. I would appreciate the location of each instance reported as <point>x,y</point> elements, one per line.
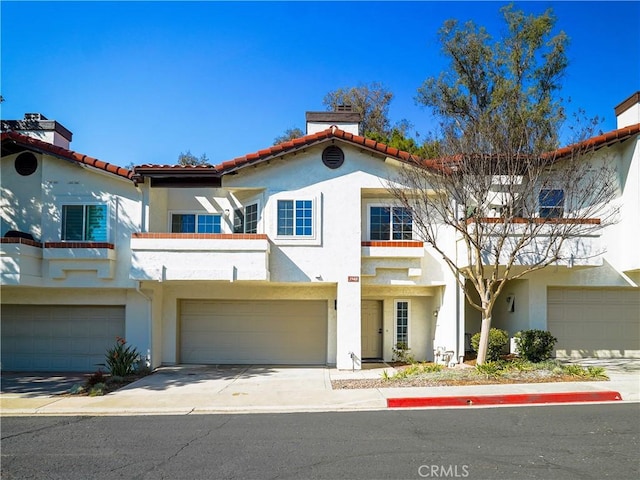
<point>371,329</point>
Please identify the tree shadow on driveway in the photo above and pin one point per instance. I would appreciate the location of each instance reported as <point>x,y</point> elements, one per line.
<point>39,384</point>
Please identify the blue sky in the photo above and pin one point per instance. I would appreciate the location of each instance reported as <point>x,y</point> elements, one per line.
<point>141,82</point>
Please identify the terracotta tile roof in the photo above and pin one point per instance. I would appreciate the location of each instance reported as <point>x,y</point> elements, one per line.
<point>290,146</point>
<point>44,147</point>
<point>599,141</point>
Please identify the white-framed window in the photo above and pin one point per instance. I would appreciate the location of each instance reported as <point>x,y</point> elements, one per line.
<point>85,222</point>
<point>390,223</point>
<point>245,219</point>
<point>551,203</point>
<point>401,319</point>
<point>295,218</point>
<point>196,223</point>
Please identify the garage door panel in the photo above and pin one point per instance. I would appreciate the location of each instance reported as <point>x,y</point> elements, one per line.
<point>285,332</point>
<point>58,337</point>
<point>594,322</point>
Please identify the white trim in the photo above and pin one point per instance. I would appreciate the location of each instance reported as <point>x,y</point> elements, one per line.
<point>315,238</point>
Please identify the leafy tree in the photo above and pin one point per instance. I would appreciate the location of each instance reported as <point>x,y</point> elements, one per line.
<point>372,101</point>
<point>500,119</point>
<point>289,134</point>
<point>190,159</point>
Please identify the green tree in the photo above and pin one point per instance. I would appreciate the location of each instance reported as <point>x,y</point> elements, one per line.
<point>289,134</point>
<point>370,100</point>
<point>500,117</point>
<point>189,159</point>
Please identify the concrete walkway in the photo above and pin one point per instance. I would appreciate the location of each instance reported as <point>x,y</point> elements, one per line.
<point>250,389</point>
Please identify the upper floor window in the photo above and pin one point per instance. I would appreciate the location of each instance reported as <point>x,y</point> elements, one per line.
<point>84,223</point>
<point>195,223</point>
<point>551,203</point>
<point>295,218</point>
<point>245,220</point>
<point>390,223</point>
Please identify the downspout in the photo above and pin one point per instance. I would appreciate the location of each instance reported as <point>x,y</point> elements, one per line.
<point>149,321</point>
<point>460,351</point>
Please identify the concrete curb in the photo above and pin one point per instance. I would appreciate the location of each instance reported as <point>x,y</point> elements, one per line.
<point>508,399</point>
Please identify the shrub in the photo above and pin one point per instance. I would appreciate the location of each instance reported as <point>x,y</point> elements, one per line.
<point>122,359</point>
<point>498,341</point>
<point>490,369</point>
<point>97,390</point>
<point>95,378</point>
<point>401,353</point>
<point>535,345</point>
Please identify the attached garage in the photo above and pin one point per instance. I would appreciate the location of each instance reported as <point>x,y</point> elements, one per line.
<point>253,332</point>
<point>58,338</point>
<point>594,322</point>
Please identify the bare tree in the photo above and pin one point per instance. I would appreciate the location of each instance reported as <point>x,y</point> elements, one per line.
<point>503,201</point>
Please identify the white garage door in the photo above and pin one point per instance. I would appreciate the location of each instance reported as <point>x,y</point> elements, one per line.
<point>58,338</point>
<point>253,332</point>
<point>590,322</point>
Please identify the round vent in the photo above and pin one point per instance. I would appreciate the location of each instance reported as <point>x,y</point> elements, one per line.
<point>333,156</point>
<point>26,163</point>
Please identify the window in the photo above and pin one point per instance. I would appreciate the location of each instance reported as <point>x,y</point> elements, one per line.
<point>295,218</point>
<point>84,223</point>
<point>390,223</point>
<point>402,323</point>
<point>245,220</point>
<point>551,203</point>
<point>195,223</point>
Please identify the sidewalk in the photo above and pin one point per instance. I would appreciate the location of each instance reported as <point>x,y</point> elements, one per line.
<point>186,390</point>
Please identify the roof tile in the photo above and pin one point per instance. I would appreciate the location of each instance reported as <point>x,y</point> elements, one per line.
<point>30,142</point>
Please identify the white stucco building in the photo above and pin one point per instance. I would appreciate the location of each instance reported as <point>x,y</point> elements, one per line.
<point>296,254</point>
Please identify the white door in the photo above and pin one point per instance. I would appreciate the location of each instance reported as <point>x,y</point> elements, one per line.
<point>59,338</point>
<point>594,322</point>
<point>253,332</point>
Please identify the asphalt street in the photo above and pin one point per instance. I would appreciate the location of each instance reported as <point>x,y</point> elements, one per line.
<point>593,441</point>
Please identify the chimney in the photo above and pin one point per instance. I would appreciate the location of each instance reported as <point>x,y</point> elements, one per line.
<point>343,117</point>
<point>628,112</point>
<point>38,126</point>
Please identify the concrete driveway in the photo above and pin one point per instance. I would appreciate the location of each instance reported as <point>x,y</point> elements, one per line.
<point>39,384</point>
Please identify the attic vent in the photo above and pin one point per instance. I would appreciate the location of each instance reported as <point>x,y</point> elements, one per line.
<point>26,163</point>
<point>333,157</point>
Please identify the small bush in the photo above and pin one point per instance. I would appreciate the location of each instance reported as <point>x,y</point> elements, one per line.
<point>401,353</point>
<point>498,341</point>
<point>535,345</point>
<point>97,390</point>
<point>122,359</point>
<point>95,378</point>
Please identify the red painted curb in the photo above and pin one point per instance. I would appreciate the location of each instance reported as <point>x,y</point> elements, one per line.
<point>510,399</point>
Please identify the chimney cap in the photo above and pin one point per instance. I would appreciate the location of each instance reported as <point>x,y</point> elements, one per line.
<point>627,104</point>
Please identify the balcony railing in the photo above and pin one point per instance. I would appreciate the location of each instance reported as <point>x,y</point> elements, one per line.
<point>580,246</point>
<point>27,262</point>
<point>404,257</point>
<point>199,256</point>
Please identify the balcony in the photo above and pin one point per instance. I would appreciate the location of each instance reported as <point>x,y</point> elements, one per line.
<point>28,262</point>
<point>64,257</point>
<point>581,248</point>
<point>20,261</point>
<point>399,259</point>
<point>199,256</point>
